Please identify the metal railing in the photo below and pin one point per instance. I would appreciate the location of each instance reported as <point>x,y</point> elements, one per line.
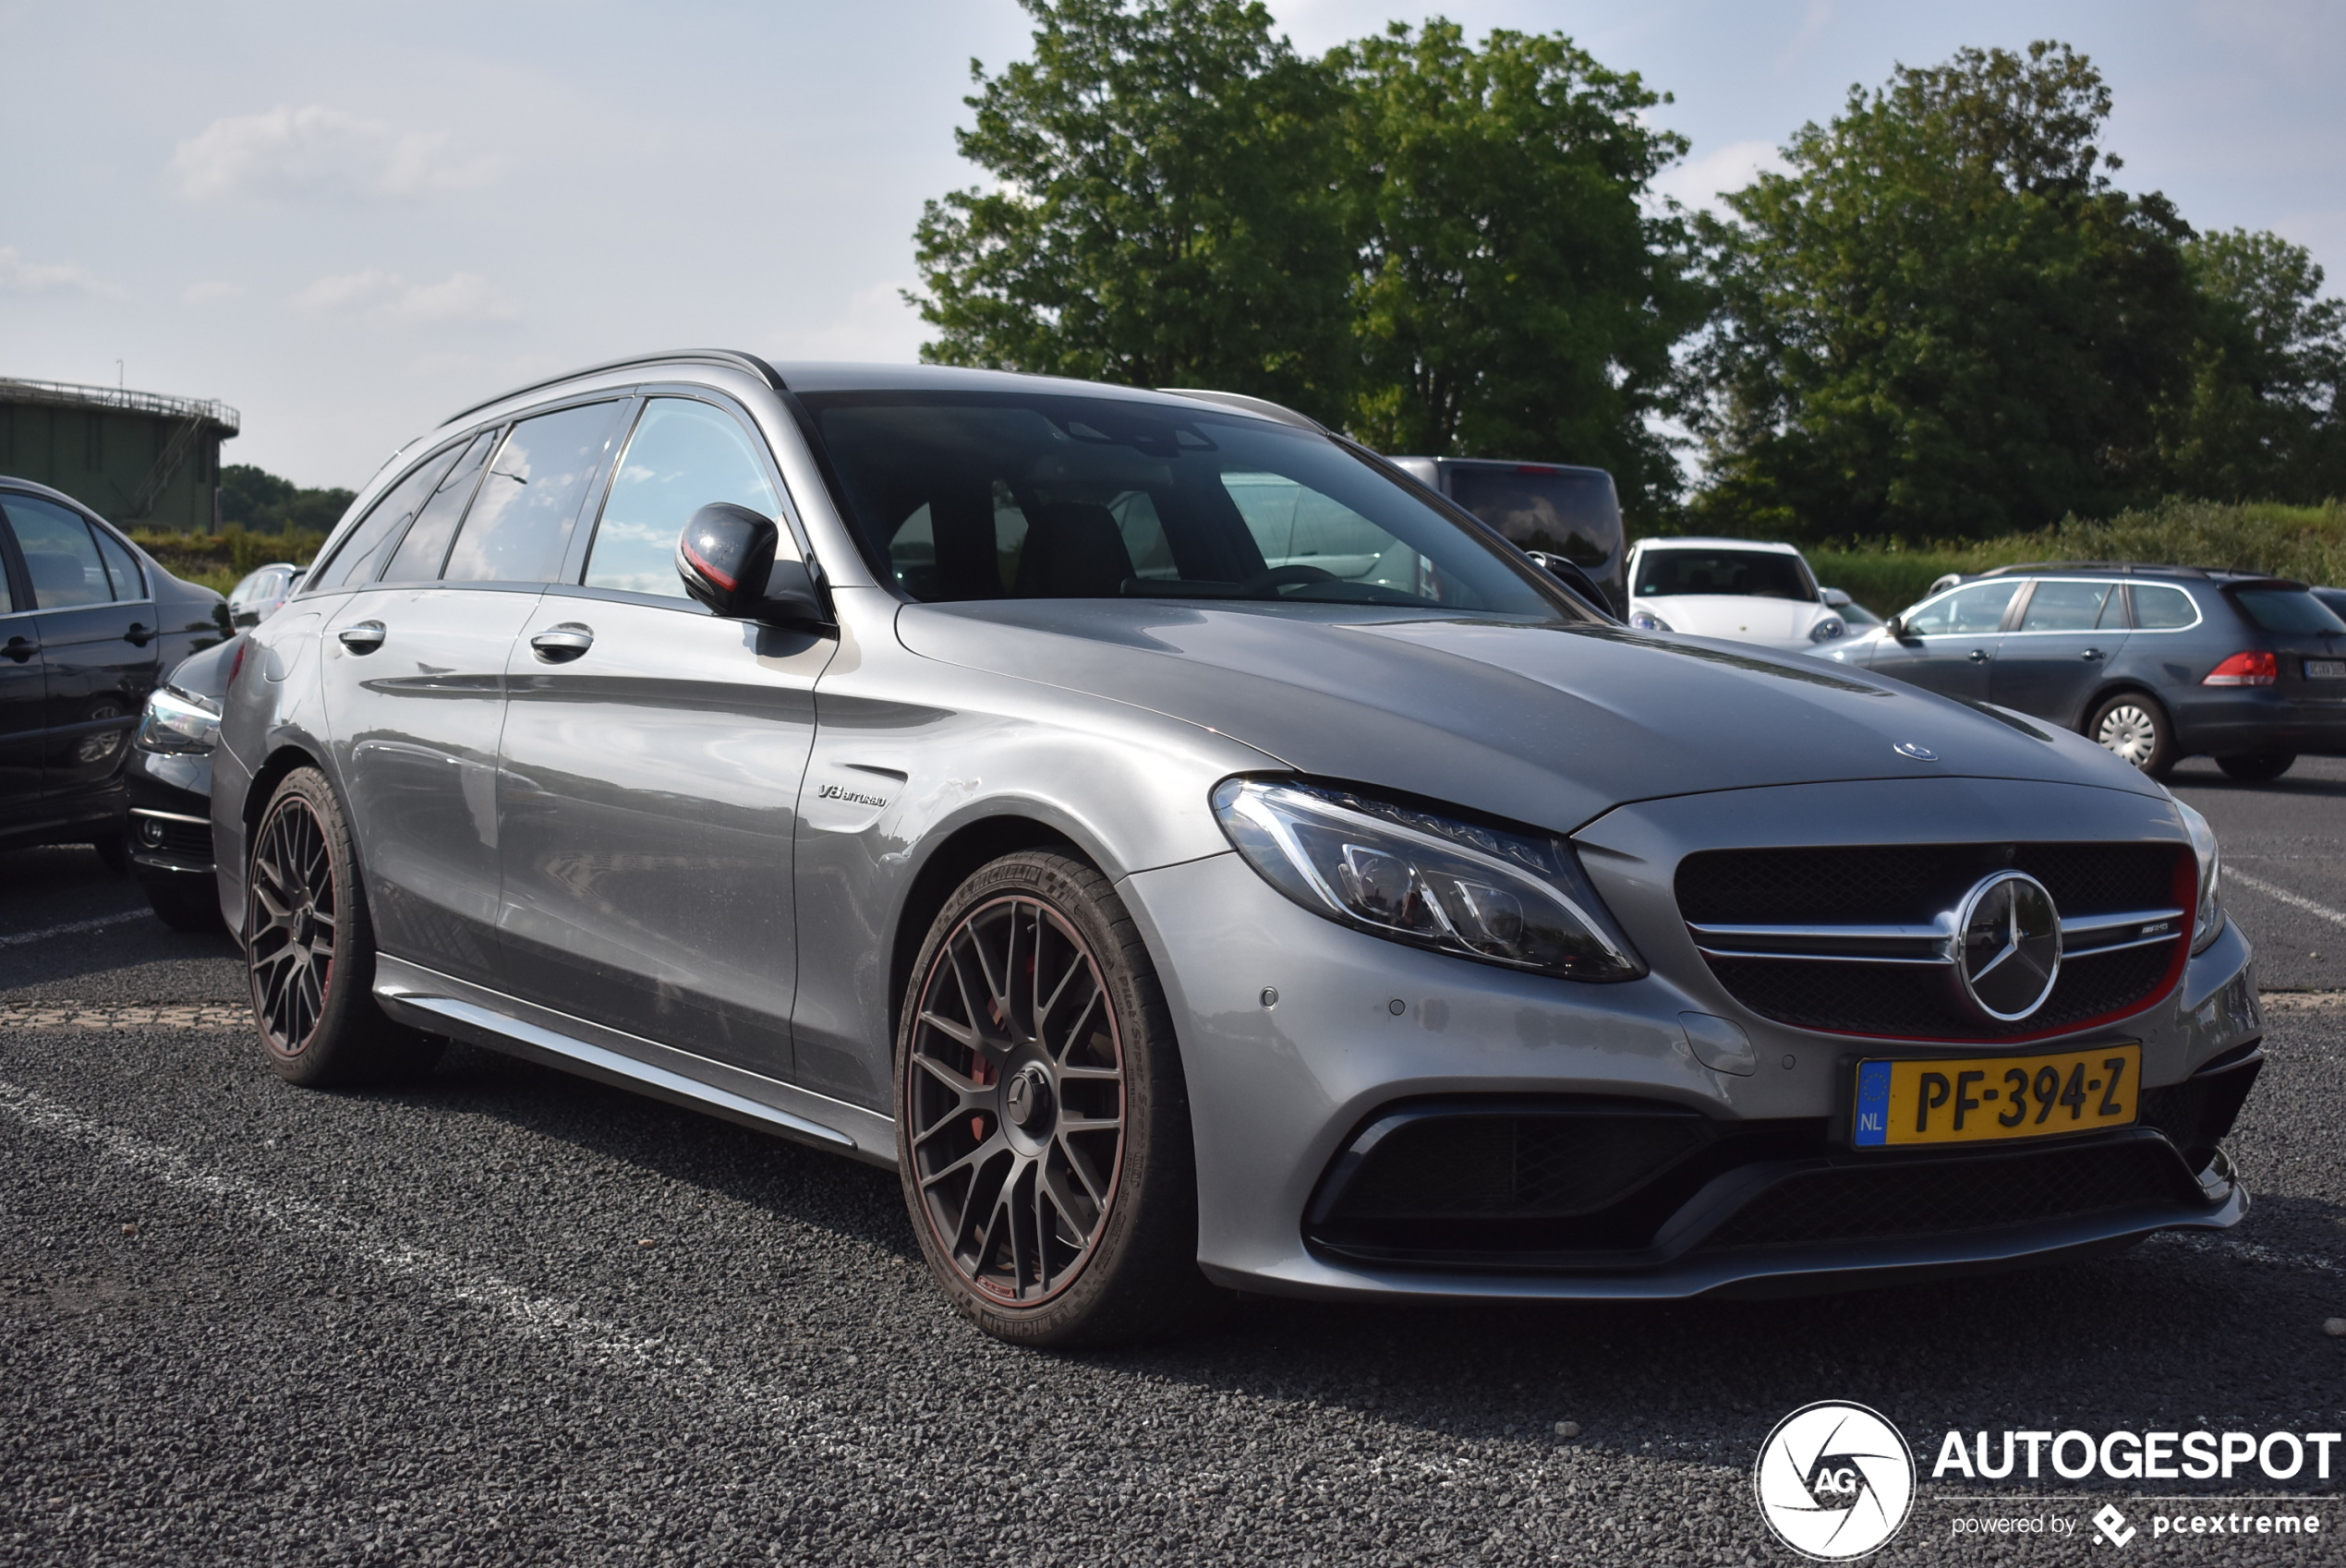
<point>72,394</point>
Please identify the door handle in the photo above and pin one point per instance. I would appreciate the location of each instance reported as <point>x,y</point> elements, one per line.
<point>2091,655</point>
<point>1979,655</point>
<point>363,638</point>
<point>138,636</point>
<point>20,648</point>
<point>560,644</point>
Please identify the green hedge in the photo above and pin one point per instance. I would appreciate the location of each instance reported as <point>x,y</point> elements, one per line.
<point>2305,542</point>
<point>217,561</point>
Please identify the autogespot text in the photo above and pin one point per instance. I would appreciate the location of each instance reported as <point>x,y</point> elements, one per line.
<point>2131,1457</point>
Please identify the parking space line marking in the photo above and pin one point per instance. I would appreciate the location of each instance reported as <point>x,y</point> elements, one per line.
<point>2294,900</point>
<point>19,938</point>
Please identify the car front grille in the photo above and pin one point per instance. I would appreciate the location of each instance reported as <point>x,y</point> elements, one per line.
<point>1853,940</point>
<point>1859,1202</point>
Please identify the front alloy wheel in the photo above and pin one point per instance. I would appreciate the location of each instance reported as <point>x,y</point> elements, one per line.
<point>1043,1124</point>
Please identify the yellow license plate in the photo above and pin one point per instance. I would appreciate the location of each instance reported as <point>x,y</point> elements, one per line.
<point>1985,1099</point>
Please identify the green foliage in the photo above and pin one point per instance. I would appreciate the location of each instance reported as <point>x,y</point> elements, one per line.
<point>2305,542</point>
<point>2261,415</point>
<point>1162,212</point>
<point>257,498</point>
<point>1945,322</point>
<point>218,561</point>
<point>1512,296</point>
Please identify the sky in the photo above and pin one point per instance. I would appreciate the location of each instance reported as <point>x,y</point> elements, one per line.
<point>350,221</point>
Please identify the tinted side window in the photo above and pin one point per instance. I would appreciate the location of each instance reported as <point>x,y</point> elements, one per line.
<point>1577,516</point>
<point>59,554</point>
<point>424,547</point>
<point>129,582</point>
<point>520,523</point>
<point>1977,609</point>
<point>360,553</point>
<point>2159,608</point>
<point>2065,607</point>
<point>2287,609</point>
<point>684,455</point>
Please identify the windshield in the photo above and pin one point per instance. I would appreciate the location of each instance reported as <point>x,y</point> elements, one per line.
<point>1753,574</point>
<point>1009,495</point>
<point>2287,609</point>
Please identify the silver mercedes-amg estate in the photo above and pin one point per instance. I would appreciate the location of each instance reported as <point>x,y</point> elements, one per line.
<point>1198,857</point>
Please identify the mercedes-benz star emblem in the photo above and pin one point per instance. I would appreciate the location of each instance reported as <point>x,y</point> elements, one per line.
<point>2008,954</point>
<point>1916,750</point>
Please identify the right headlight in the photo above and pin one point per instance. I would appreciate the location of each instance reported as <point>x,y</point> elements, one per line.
<point>2207,920</point>
<point>1646,621</point>
<point>176,721</point>
<point>1433,881</point>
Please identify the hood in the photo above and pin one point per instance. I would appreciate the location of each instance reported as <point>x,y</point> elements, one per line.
<point>1550,723</point>
<point>1737,617</point>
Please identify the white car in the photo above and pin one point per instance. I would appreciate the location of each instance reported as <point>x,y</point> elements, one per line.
<point>1739,589</point>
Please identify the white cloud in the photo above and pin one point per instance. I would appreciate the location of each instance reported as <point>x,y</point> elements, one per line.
<point>875,324</point>
<point>376,295</point>
<point>1698,181</point>
<point>210,292</point>
<point>20,276</point>
<point>290,154</point>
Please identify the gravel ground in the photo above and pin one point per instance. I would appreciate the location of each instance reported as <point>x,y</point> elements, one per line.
<point>510,1316</point>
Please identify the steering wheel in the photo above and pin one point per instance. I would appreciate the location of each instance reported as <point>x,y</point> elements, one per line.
<point>1284,577</point>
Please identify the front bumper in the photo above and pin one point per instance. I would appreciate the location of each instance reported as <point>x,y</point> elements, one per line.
<point>1298,1034</point>
<point>169,816</point>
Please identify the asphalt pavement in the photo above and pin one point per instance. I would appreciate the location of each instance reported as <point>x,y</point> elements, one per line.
<point>506,1315</point>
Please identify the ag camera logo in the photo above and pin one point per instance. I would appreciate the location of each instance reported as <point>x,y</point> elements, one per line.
<point>1836,1481</point>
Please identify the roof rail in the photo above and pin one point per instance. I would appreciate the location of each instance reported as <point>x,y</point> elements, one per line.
<point>1250,405</point>
<point>732,358</point>
<point>2127,568</point>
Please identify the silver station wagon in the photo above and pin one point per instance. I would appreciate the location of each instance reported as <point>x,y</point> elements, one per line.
<point>1198,857</point>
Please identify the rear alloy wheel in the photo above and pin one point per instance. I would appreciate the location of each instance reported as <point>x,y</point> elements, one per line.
<point>1043,1127</point>
<point>2257,767</point>
<point>2135,728</point>
<point>310,948</point>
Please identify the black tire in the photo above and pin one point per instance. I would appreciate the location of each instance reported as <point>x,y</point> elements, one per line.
<point>310,948</point>
<point>2134,727</point>
<point>185,905</point>
<point>1099,1136</point>
<point>2258,767</point>
<point>114,852</point>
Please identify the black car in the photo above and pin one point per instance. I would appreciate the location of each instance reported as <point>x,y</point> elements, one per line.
<point>2157,663</point>
<point>1558,512</point>
<point>88,623</point>
<point>169,780</point>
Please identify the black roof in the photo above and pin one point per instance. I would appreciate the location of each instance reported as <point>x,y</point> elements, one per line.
<point>2226,576</point>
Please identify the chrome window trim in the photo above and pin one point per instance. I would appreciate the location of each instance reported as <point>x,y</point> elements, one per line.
<point>2198,615</point>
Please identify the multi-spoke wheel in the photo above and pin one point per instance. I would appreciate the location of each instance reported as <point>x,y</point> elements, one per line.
<point>309,949</point>
<point>1042,1129</point>
<point>2135,728</point>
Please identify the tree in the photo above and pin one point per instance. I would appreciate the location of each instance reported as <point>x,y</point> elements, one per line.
<point>2262,416</point>
<point>262,502</point>
<point>1945,320</point>
<point>1164,212</point>
<point>1514,296</point>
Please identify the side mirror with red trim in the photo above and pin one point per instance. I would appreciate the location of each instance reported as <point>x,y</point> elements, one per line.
<point>726,556</point>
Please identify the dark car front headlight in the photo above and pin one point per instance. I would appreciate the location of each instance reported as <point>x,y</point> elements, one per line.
<point>175,721</point>
<point>2207,920</point>
<point>1502,897</point>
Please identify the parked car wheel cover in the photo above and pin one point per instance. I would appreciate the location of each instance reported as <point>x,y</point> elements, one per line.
<point>1015,1100</point>
<point>290,914</point>
<point>2131,731</point>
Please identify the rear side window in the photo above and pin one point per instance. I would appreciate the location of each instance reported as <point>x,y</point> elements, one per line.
<point>520,523</point>
<point>129,583</point>
<point>59,554</point>
<point>2285,609</point>
<point>424,546</point>
<point>2067,607</point>
<point>361,552</point>
<point>684,455</point>
<point>1575,515</point>
<point>2159,608</point>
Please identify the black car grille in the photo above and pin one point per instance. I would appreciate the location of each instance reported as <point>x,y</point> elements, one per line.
<point>1859,1202</point>
<point>189,843</point>
<point>1469,1165</point>
<point>1913,886</point>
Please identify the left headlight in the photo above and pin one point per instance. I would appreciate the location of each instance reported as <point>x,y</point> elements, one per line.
<point>1431,881</point>
<point>1646,621</point>
<point>1825,631</point>
<point>176,721</point>
<point>2207,921</point>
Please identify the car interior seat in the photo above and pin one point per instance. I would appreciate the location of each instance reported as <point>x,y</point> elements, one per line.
<point>1074,551</point>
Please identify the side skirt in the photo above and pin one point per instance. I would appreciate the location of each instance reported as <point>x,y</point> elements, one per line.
<point>425,999</point>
